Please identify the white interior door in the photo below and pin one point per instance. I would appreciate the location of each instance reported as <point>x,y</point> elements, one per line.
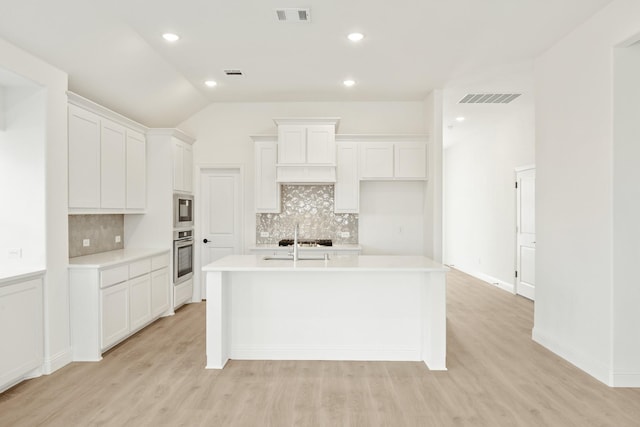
<point>526,233</point>
<point>221,222</point>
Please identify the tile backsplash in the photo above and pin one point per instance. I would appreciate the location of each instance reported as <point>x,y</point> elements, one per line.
<point>311,206</point>
<point>101,230</point>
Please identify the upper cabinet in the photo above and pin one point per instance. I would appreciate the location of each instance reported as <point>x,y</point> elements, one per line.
<point>267,189</point>
<point>107,160</point>
<point>182,166</point>
<point>406,160</point>
<point>306,149</point>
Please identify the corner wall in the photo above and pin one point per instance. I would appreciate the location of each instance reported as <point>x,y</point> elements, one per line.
<point>574,192</point>
<point>56,290</point>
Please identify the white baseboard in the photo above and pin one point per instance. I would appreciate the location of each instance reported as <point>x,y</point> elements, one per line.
<point>325,353</point>
<point>575,357</point>
<point>57,361</point>
<point>625,380</point>
<point>509,287</point>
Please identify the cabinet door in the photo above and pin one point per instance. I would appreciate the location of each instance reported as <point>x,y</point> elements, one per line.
<point>136,171</point>
<point>410,160</point>
<point>347,188</point>
<point>376,160</point>
<point>114,305</point>
<point>140,301</point>
<point>20,329</point>
<point>84,158</point>
<point>159,292</point>
<point>321,145</point>
<point>267,189</point>
<point>187,168</point>
<point>178,165</point>
<point>112,165</point>
<point>291,144</point>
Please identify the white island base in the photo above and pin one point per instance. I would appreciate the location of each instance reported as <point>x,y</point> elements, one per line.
<point>348,308</point>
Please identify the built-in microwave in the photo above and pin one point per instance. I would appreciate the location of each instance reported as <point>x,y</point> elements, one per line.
<point>182,211</point>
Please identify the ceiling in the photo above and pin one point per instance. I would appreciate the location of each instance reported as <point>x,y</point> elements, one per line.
<point>114,53</point>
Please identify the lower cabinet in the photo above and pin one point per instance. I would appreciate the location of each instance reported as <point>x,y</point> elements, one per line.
<point>21,330</point>
<point>110,304</point>
<point>114,306</point>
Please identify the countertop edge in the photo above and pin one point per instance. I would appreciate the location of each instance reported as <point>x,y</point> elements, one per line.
<point>118,257</point>
<point>9,278</point>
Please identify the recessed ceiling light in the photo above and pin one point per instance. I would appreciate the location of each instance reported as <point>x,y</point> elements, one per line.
<point>460,119</point>
<point>348,83</point>
<point>170,37</point>
<point>355,37</point>
<point>210,83</point>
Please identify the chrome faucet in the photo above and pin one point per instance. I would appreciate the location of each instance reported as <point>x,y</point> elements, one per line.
<point>295,242</point>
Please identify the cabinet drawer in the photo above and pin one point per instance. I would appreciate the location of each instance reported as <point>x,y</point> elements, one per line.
<point>139,268</point>
<point>114,275</point>
<point>159,261</point>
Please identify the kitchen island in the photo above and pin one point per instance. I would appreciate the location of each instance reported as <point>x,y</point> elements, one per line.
<point>346,308</point>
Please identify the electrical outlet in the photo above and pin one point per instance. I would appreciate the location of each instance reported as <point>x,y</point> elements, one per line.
<point>14,253</point>
<point>264,234</point>
<point>345,234</point>
<point>86,242</point>
<point>118,240</point>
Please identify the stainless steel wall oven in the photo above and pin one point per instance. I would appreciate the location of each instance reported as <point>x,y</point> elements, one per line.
<point>182,256</point>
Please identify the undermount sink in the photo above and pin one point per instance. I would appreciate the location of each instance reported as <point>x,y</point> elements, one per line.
<point>318,257</point>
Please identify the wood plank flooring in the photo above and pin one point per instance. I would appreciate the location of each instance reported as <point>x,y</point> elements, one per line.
<point>497,377</point>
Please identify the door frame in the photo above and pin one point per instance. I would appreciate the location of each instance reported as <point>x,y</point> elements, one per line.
<point>517,219</point>
<point>205,168</point>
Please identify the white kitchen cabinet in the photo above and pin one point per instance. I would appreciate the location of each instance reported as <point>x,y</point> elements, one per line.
<point>182,166</point>
<point>347,188</point>
<point>112,165</point>
<point>267,189</point>
<point>160,296</point>
<point>107,160</point>
<point>136,191</point>
<point>114,306</point>
<point>140,301</point>
<point>306,150</point>
<point>393,161</point>
<point>84,158</point>
<point>113,295</point>
<point>21,329</point>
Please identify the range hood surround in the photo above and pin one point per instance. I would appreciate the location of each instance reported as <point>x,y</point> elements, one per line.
<point>306,150</point>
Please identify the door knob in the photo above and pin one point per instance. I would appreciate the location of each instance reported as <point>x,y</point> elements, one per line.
<point>205,241</point>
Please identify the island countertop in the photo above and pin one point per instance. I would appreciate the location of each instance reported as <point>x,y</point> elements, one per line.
<point>335,263</point>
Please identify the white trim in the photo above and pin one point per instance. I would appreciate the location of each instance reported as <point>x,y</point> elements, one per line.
<point>345,137</point>
<point>489,280</point>
<point>524,168</point>
<point>324,353</point>
<point>592,367</point>
<point>172,132</point>
<point>57,361</point>
<point>625,379</point>
<point>307,121</point>
<point>89,105</point>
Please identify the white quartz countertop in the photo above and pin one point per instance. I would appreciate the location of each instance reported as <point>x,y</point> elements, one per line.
<point>107,259</point>
<point>274,246</point>
<point>16,273</point>
<point>335,263</point>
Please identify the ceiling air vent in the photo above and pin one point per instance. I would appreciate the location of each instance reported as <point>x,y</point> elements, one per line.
<point>489,98</point>
<point>233,72</point>
<point>293,15</point>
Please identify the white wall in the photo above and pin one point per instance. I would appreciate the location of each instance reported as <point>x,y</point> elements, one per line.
<point>626,217</point>
<point>574,193</point>
<point>433,210</point>
<point>479,195</point>
<point>56,291</point>
<point>22,184</point>
<point>223,129</point>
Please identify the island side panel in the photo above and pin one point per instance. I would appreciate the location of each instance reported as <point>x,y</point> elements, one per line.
<point>434,321</point>
<point>217,319</point>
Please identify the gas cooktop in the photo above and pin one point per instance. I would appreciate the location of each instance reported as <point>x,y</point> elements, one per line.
<point>306,242</point>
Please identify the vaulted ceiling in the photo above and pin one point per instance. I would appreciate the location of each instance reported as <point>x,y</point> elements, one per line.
<point>114,53</point>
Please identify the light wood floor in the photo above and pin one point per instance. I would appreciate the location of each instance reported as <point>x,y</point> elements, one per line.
<point>497,377</point>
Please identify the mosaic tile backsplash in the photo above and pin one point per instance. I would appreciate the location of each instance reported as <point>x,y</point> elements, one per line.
<point>311,206</point>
